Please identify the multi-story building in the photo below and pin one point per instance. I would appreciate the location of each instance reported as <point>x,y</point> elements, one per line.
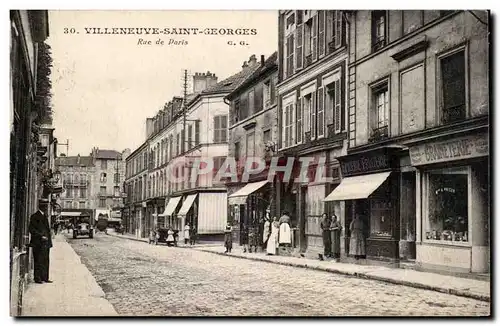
<point>109,177</point>
<point>78,176</point>
<point>136,177</point>
<point>418,136</point>
<point>30,173</point>
<point>313,123</point>
<point>252,131</point>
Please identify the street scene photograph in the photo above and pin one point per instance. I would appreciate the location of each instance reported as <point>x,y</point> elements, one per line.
<point>250,163</point>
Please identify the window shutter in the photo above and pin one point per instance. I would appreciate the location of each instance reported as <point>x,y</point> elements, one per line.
<point>321,33</point>
<point>313,115</point>
<point>298,119</point>
<point>299,36</point>
<point>315,38</point>
<point>305,115</point>
<point>321,113</point>
<point>286,126</point>
<point>338,28</point>
<point>337,107</point>
<point>329,30</point>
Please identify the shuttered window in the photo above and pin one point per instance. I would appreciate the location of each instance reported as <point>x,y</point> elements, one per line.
<point>197,133</point>
<point>299,32</point>
<point>321,33</point>
<point>315,38</point>
<point>220,128</point>
<point>321,113</point>
<point>298,114</point>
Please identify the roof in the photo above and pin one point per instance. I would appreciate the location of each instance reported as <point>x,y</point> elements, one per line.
<point>269,64</point>
<point>107,154</point>
<point>73,161</point>
<point>229,84</point>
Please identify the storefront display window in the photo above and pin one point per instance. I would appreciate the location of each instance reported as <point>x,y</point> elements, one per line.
<point>447,210</point>
<point>380,217</point>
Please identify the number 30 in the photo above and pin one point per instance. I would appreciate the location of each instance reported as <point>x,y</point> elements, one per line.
<point>69,30</point>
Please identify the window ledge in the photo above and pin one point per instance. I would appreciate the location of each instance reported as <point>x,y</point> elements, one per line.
<point>419,45</point>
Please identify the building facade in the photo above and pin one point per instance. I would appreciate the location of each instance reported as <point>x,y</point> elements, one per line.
<point>252,134</point>
<point>31,177</point>
<point>312,115</point>
<point>136,180</point>
<point>418,136</point>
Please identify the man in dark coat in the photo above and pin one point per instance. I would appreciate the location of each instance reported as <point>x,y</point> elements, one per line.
<point>327,236</point>
<point>41,242</point>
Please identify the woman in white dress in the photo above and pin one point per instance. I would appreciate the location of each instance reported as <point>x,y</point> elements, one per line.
<point>272,241</point>
<point>186,233</point>
<point>170,237</point>
<point>285,235</point>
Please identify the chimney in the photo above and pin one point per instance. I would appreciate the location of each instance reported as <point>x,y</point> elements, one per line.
<point>262,60</point>
<point>253,60</point>
<point>245,65</point>
<point>202,81</point>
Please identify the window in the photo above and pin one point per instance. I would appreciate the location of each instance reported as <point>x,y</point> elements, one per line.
<point>299,123</point>
<point>338,27</point>
<point>218,162</point>
<point>220,129</point>
<point>197,133</point>
<point>102,202</point>
<point>320,115</point>
<point>117,191</point>
<point>145,158</point>
<point>177,144</point>
<point>309,41</point>
<point>236,110</point>
<point>380,216</point>
<point>269,92</point>
<point>266,136</point>
<point>83,192</point>
<point>190,137</point>
<point>299,35</point>
<point>166,151</point>
<point>81,205</point>
<point>104,164</point>
<point>76,192</point>
<point>67,204</point>
<point>333,104</point>
<point>77,178</point>
<point>183,141</point>
<point>379,39</point>
<point>251,102</point>
<point>447,196</point>
<point>171,147</point>
<point>237,151</point>
<point>75,205</point>
<point>117,178</point>
<point>250,145</point>
<point>379,116</point>
<point>162,153</point>
<point>103,177</point>
<point>102,190</point>
<point>453,87</point>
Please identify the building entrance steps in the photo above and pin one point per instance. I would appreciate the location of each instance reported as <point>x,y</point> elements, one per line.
<point>74,291</point>
<point>460,286</point>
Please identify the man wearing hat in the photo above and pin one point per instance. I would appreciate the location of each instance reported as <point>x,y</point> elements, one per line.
<point>41,242</point>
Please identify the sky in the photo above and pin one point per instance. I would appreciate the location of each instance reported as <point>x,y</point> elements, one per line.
<point>105,86</point>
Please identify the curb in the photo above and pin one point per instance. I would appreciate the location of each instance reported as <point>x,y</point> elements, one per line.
<point>459,293</point>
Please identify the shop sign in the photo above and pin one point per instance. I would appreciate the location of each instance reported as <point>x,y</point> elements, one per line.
<point>451,150</point>
<point>364,164</point>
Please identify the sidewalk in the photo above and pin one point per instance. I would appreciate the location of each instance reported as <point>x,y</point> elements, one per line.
<point>74,291</point>
<point>199,244</point>
<point>463,287</point>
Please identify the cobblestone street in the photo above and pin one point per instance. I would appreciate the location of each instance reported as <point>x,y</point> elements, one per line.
<point>144,280</point>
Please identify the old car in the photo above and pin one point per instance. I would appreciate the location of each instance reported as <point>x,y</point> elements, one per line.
<point>82,226</point>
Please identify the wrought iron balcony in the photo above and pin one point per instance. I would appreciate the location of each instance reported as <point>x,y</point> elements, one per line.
<point>453,114</point>
<point>379,134</point>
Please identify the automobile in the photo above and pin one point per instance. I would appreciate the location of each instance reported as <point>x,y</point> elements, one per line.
<point>83,227</point>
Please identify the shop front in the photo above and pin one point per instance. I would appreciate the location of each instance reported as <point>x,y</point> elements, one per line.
<point>248,207</point>
<point>188,213</point>
<point>370,189</point>
<point>453,199</point>
<point>169,215</point>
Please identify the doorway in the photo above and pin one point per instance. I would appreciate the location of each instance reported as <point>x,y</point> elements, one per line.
<point>302,219</point>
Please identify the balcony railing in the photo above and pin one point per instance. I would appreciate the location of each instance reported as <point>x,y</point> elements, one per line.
<point>453,114</point>
<point>379,134</point>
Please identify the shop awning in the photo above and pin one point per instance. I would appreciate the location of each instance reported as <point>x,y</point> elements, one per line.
<point>186,205</point>
<point>358,187</point>
<point>240,197</point>
<point>71,213</point>
<point>172,205</point>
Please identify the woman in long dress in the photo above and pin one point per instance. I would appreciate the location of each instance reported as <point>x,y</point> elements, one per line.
<point>336,228</point>
<point>272,241</point>
<point>228,238</point>
<point>285,235</point>
<point>170,237</point>
<point>266,232</point>
<point>186,233</point>
<point>357,241</point>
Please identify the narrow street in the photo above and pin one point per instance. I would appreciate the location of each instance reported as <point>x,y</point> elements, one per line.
<point>144,280</point>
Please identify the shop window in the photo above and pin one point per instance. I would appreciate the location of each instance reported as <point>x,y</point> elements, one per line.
<point>381,216</point>
<point>453,87</point>
<point>447,198</point>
